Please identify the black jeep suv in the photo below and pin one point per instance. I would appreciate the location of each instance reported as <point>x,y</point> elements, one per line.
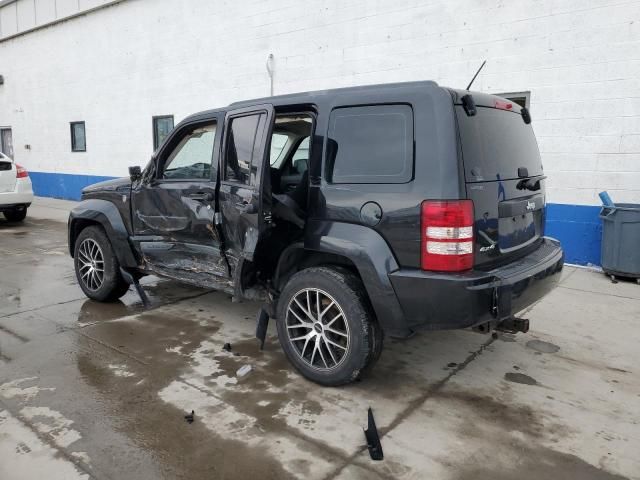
<point>352,213</point>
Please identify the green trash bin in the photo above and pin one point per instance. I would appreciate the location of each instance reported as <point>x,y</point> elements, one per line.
<point>621,240</point>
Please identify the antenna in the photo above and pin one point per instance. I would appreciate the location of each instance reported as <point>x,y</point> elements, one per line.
<point>474,77</point>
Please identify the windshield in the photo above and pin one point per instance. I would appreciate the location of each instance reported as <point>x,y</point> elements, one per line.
<point>495,143</point>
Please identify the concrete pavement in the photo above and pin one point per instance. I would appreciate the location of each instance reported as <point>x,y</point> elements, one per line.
<point>92,390</point>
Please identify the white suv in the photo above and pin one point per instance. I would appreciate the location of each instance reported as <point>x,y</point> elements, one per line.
<point>16,193</point>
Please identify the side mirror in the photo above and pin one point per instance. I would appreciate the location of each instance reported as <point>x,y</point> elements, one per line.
<point>135,173</point>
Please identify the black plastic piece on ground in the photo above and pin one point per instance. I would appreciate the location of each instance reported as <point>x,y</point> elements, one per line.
<point>227,347</point>
<point>373,439</point>
<point>262,322</point>
<point>189,417</point>
<point>514,325</point>
<point>133,280</point>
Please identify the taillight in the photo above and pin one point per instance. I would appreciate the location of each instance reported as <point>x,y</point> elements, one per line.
<point>447,235</point>
<point>21,172</point>
<point>502,105</point>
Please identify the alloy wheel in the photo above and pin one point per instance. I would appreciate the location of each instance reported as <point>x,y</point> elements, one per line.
<point>91,264</point>
<point>317,329</point>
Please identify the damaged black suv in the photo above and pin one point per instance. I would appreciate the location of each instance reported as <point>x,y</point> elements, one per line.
<point>352,213</point>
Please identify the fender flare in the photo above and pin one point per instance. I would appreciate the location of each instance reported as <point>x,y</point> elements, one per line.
<point>368,252</point>
<point>107,215</point>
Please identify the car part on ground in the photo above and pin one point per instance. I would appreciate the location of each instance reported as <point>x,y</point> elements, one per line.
<point>190,417</point>
<point>373,438</point>
<point>262,322</point>
<point>133,278</point>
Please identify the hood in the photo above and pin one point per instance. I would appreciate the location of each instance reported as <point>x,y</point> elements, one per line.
<point>116,184</point>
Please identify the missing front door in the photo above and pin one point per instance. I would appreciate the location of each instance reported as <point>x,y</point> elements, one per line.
<point>6,142</point>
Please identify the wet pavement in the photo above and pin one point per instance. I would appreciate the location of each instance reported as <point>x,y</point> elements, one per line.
<point>91,390</point>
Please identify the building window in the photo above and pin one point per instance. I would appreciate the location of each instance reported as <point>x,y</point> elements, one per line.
<point>162,126</point>
<point>6,142</point>
<point>78,138</point>
<point>521,98</point>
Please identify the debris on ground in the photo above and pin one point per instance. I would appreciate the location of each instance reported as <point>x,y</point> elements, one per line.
<point>262,323</point>
<point>373,439</point>
<point>244,370</point>
<point>227,347</point>
<point>189,417</point>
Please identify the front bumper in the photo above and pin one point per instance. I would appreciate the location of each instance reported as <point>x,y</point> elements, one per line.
<point>435,301</point>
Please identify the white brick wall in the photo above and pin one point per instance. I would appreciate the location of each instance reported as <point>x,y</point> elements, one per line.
<point>117,67</point>
<point>17,16</point>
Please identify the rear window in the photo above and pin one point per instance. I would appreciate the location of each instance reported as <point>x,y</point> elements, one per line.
<point>495,143</point>
<point>372,144</point>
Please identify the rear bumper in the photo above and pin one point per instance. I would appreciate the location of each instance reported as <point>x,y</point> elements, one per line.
<point>8,207</point>
<point>20,196</point>
<point>435,301</point>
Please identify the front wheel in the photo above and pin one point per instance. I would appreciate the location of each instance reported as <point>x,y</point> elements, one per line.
<point>97,268</point>
<point>326,327</point>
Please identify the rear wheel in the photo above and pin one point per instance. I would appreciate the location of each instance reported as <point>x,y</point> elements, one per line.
<point>16,215</point>
<point>97,268</point>
<point>325,326</point>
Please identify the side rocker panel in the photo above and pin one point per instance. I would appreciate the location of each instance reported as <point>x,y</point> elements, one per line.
<point>106,214</point>
<point>372,257</point>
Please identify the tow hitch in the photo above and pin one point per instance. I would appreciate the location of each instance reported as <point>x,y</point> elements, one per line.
<point>513,325</point>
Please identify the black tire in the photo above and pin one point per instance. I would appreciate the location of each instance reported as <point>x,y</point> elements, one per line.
<point>355,321</point>
<point>376,331</point>
<point>112,286</point>
<point>16,215</point>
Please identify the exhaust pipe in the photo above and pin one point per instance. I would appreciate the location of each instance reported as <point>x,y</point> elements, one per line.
<point>513,325</point>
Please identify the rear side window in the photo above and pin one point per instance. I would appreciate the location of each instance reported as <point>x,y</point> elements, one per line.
<point>372,144</point>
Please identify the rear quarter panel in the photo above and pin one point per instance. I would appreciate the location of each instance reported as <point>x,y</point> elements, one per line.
<point>436,169</point>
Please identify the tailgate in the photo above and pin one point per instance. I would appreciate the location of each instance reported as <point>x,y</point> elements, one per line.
<point>504,178</point>
<point>7,176</point>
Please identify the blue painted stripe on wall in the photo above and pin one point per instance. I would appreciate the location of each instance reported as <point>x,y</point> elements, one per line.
<point>578,227</point>
<point>62,185</point>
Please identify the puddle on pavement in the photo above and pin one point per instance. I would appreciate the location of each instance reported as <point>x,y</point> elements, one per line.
<point>542,347</point>
<point>534,463</point>
<point>521,456</point>
<point>166,342</point>
<point>499,413</point>
<point>520,378</point>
